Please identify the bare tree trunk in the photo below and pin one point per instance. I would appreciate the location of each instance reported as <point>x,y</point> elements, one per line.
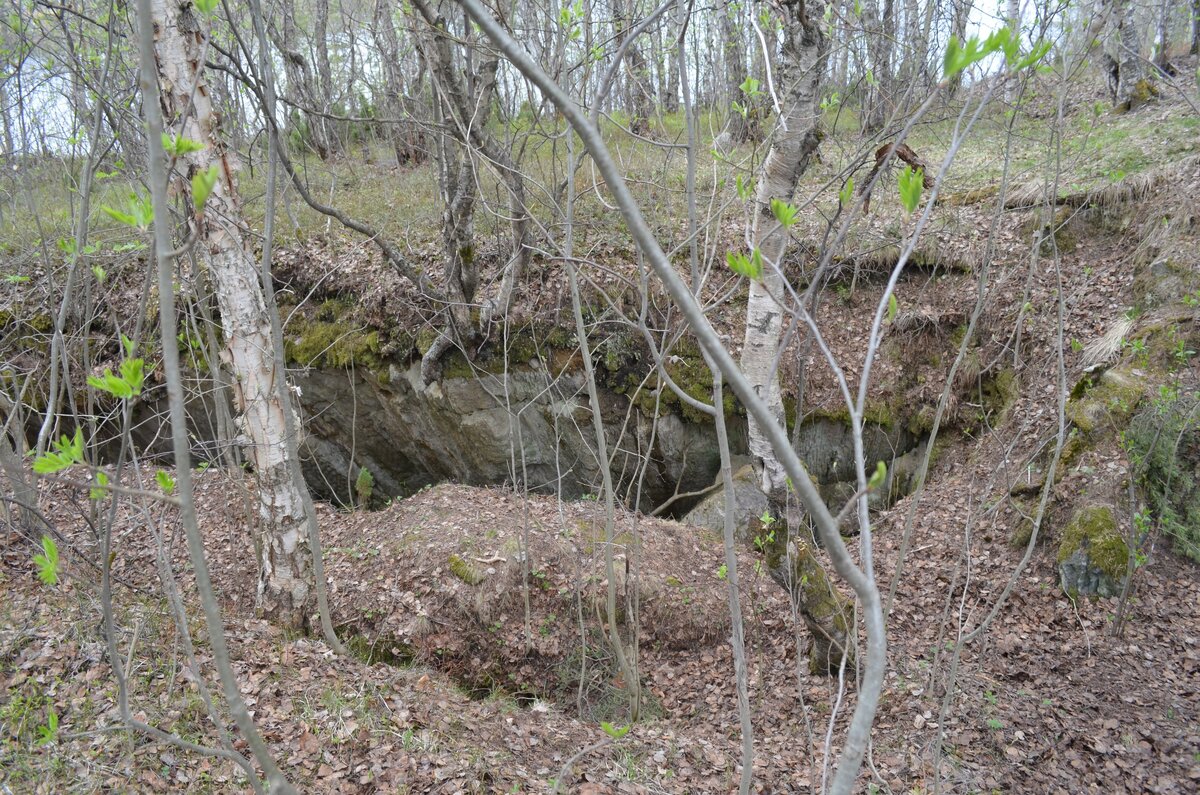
<point>638,92</point>
<point>798,132</point>
<point>324,74</point>
<point>879,58</point>
<point>915,47</point>
<point>740,127</point>
<point>285,591</point>
<point>1013,20</point>
<point>463,107</point>
<point>1195,49</point>
<point>407,139</point>
<point>962,11</point>
<point>303,95</point>
<point>1134,87</point>
<point>1161,58</point>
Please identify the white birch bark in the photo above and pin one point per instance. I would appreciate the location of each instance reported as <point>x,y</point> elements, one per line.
<point>798,83</point>
<point>285,577</point>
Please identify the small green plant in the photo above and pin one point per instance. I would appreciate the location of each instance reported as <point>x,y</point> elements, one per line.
<point>765,539</point>
<point>911,184</point>
<point>48,732</point>
<point>137,213</point>
<point>364,486</point>
<point>202,184</point>
<point>722,571</point>
<point>47,563</point>
<point>165,482</point>
<point>995,724</point>
<point>612,731</point>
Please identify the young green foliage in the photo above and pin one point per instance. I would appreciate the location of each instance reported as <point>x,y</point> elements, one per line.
<point>784,213</point>
<point>66,453</point>
<point>911,183</point>
<point>177,146</point>
<point>47,561</point>
<point>846,193</point>
<point>751,267</point>
<point>124,386</point>
<point>165,482</point>
<point>877,477</point>
<point>100,490</point>
<point>202,184</point>
<point>613,731</point>
<point>137,213</point>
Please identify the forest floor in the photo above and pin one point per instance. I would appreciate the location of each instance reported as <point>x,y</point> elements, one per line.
<point>478,665</point>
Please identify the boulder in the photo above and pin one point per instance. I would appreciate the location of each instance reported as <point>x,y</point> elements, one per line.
<point>749,504</point>
<point>1092,555</point>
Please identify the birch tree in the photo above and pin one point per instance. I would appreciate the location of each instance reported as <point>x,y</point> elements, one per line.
<point>285,585</point>
<point>798,74</point>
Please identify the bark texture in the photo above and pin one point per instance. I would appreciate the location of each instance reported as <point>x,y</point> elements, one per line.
<point>285,591</point>
<point>798,75</point>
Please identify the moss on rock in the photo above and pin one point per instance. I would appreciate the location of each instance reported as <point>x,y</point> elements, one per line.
<point>1092,555</point>
<point>1108,403</point>
<point>464,571</point>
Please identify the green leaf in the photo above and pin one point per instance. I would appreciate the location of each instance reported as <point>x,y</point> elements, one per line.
<point>178,146</point>
<point>202,185</point>
<point>893,305</point>
<point>1034,56</point>
<point>138,212</point>
<point>100,490</point>
<point>165,481</point>
<point>846,193</point>
<point>128,345</point>
<point>613,731</point>
<point>750,86</point>
<point>124,386</point>
<point>48,733</point>
<point>15,278</point>
<point>784,213</point>
<point>206,6</point>
<point>118,216</point>
<point>911,183</point>
<point>744,189</point>
<point>47,561</point>
<point>99,273</point>
<point>877,477</point>
<point>66,453</point>
<point>722,571</point>
<point>750,267</point>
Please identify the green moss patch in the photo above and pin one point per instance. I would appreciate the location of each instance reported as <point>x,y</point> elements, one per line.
<point>1092,555</point>
<point>1108,403</point>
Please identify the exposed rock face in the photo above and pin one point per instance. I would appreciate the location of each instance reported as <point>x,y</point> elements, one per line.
<point>522,427</point>
<point>530,428</point>
<point>749,504</point>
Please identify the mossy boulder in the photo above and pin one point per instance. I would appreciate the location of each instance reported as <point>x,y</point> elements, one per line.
<point>1107,403</point>
<point>1093,555</point>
